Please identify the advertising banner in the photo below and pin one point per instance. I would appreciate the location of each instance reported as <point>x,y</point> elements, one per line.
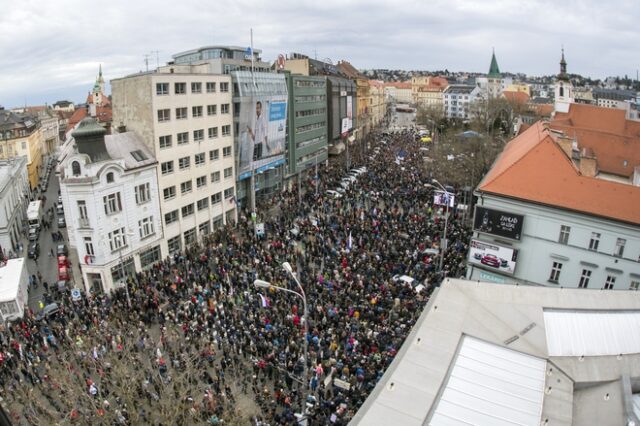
<point>345,126</point>
<point>350,107</point>
<point>262,131</point>
<point>500,259</point>
<point>441,198</point>
<point>498,223</point>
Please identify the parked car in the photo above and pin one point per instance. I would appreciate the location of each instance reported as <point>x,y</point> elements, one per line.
<point>34,250</point>
<point>34,233</point>
<point>62,250</point>
<point>59,210</point>
<point>490,260</point>
<point>61,222</point>
<point>48,311</point>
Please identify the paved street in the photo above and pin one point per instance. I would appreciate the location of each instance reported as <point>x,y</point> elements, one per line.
<point>46,264</point>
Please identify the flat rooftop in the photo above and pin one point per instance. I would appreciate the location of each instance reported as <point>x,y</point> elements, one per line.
<point>483,353</point>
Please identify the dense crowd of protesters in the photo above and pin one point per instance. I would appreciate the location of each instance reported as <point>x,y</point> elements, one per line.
<point>198,311</point>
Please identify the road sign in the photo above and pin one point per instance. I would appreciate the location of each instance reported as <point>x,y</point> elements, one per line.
<point>75,295</point>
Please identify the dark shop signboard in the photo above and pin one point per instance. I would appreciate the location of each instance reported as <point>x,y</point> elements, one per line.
<point>496,222</point>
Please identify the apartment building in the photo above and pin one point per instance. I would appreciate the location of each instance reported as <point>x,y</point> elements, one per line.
<point>14,198</point>
<point>183,113</point>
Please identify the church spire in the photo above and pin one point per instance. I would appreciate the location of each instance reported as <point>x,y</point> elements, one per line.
<point>563,68</point>
<point>100,71</point>
<point>494,70</point>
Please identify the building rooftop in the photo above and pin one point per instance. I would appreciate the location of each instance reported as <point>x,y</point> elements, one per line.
<point>459,89</point>
<point>517,97</point>
<point>614,139</point>
<point>533,167</point>
<point>482,353</point>
<point>10,278</point>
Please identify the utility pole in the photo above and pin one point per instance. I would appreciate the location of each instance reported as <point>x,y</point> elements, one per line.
<point>146,61</point>
<point>157,52</point>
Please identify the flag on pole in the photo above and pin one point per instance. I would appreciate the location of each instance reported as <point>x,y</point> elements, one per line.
<point>349,242</point>
<point>264,302</point>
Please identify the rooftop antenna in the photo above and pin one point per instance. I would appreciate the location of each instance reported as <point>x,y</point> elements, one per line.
<point>157,52</point>
<point>315,54</point>
<point>146,61</point>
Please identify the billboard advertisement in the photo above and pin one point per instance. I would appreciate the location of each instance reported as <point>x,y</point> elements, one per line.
<point>497,258</point>
<point>441,198</point>
<point>350,108</point>
<point>262,121</point>
<point>498,223</point>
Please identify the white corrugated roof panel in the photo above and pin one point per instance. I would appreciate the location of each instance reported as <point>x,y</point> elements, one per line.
<point>592,333</point>
<point>490,384</point>
<point>10,278</point>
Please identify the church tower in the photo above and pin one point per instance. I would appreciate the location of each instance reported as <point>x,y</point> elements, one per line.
<point>563,89</point>
<point>97,93</point>
<point>494,78</point>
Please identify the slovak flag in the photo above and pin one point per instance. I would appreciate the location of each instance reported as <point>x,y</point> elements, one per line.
<point>349,242</point>
<point>264,302</point>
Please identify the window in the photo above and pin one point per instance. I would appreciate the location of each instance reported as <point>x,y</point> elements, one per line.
<point>217,222</point>
<point>189,236</point>
<point>82,209</point>
<point>584,278</point>
<point>187,210</point>
<point>167,167</point>
<point>164,115</point>
<point>143,193</point>
<point>199,159</point>
<point>112,203</point>
<point>196,111</point>
<point>88,246</point>
<point>635,285</point>
<point>162,89</point>
<point>196,87</point>
<point>184,163</point>
<point>211,109</point>
<point>555,272</point>
<point>213,132</point>
<point>165,141</point>
<point>214,154</point>
<point>226,151</point>
<point>186,187</point>
<point>224,87</point>
<point>173,244</point>
<point>198,135</point>
<point>564,234</point>
<point>203,203</point>
<point>595,240</point>
<point>183,138</point>
<point>215,177</point>
<point>146,227</point>
<point>110,177</point>
<point>75,168</point>
<point>180,88</point>
<point>620,243</point>
<point>228,172</point>
<point>117,239</point>
<point>224,109</point>
<point>610,282</point>
<point>169,192</point>
<point>211,86</point>
<point>228,193</point>
<point>181,113</point>
<point>201,181</point>
<point>226,130</point>
<point>216,198</point>
<point>204,228</point>
<point>149,257</point>
<point>171,217</point>
<point>23,145</point>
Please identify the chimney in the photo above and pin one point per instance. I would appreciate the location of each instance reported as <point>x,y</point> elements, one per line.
<point>588,163</point>
<point>566,144</point>
<point>89,137</point>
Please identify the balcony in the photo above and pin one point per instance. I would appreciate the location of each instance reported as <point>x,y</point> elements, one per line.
<point>83,223</point>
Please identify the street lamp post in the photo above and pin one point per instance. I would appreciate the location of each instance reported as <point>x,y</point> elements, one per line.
<point>302,295</point>
<point>444,243</point>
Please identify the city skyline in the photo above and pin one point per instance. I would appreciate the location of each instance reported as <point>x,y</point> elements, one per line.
<point>57,49</point>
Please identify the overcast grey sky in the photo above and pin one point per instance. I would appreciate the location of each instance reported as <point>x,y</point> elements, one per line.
<point>50,50</point>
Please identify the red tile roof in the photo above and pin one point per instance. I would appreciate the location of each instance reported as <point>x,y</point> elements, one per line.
<point>399,84</point>
<point>534,168</point>
<point>614,140</point>
<point>515,96</point>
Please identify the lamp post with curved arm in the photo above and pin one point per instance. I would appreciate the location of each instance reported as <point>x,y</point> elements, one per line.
<point>301,295</point>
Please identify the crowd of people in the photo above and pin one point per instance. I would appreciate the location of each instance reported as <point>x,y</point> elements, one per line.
<point>195,342</point>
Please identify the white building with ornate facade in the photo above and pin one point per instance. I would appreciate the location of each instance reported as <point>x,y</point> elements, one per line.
<point>14,198</point>
<point>109,190</point>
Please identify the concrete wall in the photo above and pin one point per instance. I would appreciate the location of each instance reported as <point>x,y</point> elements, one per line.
<point>539,247</point>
